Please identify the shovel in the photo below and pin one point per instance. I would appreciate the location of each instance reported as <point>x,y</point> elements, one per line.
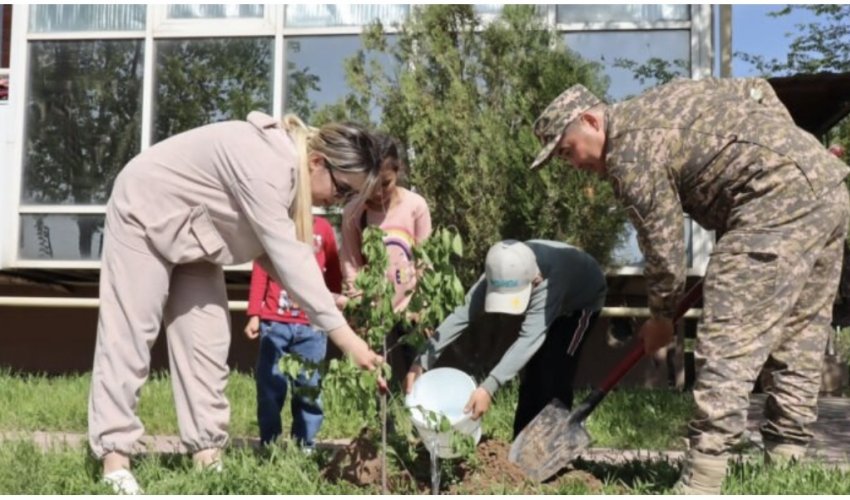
<point>557,435</point>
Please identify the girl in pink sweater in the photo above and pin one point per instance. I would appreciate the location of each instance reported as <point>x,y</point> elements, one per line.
<point>405,218</point>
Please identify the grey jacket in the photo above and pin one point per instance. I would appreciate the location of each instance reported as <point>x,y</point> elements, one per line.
<point>572,282</point>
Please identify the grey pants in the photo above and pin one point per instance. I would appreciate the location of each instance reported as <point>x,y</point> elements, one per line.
<point>139,291</point>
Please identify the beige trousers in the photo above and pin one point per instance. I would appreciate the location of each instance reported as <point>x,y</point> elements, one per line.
<point>139,291</point>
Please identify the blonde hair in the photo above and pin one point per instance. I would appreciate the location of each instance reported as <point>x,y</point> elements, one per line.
<point>346,147</point>
<point>301,209</point>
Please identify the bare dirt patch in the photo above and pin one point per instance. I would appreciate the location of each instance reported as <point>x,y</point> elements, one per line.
<point>489,471</point>
<point>359,463</point>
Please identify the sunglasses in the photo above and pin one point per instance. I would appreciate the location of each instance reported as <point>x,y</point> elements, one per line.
<point>342,191</point>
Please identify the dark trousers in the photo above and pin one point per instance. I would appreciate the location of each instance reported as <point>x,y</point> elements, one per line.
<point>550,372</point>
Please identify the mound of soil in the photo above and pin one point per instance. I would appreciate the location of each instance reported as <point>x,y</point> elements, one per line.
<point>493,468</point>
<point>359,463</point>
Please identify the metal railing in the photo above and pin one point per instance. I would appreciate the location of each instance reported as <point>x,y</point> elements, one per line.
<point>242,305</point>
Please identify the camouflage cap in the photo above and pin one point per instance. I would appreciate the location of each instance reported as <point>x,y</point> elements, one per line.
<point>550,125</point>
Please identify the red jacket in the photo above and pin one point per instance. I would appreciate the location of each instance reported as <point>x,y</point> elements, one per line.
<point>268,300</point>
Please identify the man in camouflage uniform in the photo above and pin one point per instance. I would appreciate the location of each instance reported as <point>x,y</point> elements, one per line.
<point>728,153</point>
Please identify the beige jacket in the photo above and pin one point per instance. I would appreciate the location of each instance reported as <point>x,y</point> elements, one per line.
<point>221,193</point>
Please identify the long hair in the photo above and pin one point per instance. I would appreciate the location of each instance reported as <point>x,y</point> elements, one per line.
<point>301,210</point>
<point>389,157</point>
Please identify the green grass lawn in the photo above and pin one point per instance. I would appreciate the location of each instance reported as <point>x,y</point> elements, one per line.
<point>627,419</point>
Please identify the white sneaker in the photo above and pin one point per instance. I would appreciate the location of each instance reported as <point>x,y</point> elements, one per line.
<point>209,459</point>
<point>122,482</point>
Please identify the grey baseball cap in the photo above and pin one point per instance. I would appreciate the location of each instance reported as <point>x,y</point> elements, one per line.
<point>510,269</point>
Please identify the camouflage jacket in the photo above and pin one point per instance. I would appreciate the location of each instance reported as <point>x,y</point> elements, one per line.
<point>664,157</point>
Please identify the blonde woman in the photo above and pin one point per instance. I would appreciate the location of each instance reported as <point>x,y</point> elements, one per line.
<point>220,194</point>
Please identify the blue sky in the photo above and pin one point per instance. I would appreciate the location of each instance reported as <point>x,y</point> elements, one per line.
<point>754,32</point>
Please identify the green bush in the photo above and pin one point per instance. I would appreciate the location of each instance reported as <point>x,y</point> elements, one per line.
<point>464,103</point>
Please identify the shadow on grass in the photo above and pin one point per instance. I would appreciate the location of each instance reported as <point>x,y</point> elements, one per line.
<point>637,476</point>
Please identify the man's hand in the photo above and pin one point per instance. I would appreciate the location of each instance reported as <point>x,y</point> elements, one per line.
<point>656,333</point>
<point>412,374</point>
<point>479,403</point>
<point>252,329</point>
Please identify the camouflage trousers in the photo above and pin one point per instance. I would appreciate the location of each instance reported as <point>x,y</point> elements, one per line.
<point>768,295</point>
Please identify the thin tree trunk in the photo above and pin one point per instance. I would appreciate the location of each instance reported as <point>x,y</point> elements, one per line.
<point>384,489</point>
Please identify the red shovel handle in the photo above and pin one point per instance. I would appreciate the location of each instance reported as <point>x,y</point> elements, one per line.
<point>688,301</point>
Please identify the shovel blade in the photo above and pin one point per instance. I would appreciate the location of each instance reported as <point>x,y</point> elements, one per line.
<point>549,442</point>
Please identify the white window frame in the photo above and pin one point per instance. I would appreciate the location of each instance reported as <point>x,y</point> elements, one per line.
<point>163,26</point>
<point>159,27</point>
<point>329,30</point>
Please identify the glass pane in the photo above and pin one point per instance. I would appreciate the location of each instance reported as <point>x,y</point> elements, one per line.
<point>61,237</point>
<point>490,11</point>
<point>75,17</point>
<point>628,253</point>
<point>640,47</point>
<point>200,81</point>
<point>315,70</point>
<point>318,15</point>
<point>215,11</point>
<point>84,106</point>
<point>489,8</point>
<point>589,13</point>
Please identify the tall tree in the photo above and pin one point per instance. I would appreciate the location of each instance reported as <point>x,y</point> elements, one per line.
<point>820,45</point>
<point>464,103</point>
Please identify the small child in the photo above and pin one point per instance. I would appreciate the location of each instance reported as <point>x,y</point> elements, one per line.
<point>284,328</point>
<point>406,219</point>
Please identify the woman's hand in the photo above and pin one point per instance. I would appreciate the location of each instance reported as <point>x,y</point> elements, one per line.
<point>364,357</point>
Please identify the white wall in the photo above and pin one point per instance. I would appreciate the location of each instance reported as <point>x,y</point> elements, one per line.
<point>6,166</point>
<point>11,135</point>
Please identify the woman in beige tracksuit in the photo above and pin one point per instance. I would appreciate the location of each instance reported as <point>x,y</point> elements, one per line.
<point>221,194</point>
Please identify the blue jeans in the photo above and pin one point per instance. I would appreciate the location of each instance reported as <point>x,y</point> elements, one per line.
<point>275,340</point>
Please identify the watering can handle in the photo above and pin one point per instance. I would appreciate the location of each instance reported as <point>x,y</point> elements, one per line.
<point>689,300</point>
